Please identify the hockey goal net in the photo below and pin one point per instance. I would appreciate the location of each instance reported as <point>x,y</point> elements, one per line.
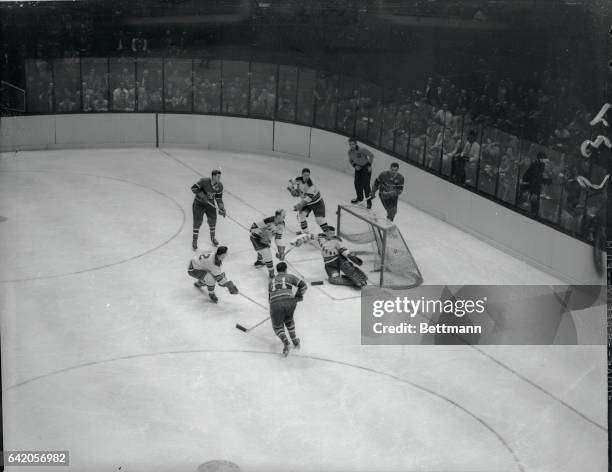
<point>385,253</point>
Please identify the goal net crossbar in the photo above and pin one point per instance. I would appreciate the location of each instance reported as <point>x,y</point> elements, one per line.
<point>382,247</point>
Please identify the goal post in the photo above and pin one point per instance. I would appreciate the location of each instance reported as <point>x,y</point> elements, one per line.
<point>381,245</point>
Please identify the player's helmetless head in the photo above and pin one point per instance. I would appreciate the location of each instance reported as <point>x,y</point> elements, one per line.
<point>279,215</point>
<point>281,267</point>
<point>394,168</point>
<point>353,143</point>
<point>216,176</point>
<point>330,232</point>
<point>305,174</point>
<point>221,253</point>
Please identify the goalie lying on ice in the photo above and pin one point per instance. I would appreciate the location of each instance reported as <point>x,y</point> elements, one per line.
<point>340,264</point>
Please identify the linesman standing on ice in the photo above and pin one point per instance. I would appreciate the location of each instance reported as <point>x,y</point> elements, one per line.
<point>283,303</point>
<point>391,185</point>
<point>207,191</point>
<point>361,160</point>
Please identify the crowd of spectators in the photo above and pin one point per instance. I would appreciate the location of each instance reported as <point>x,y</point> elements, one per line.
<point>491,138</point>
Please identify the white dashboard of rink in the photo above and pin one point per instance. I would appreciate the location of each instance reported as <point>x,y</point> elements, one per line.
<point>526,239</point>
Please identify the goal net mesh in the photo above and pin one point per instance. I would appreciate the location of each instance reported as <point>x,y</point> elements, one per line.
<point>367,230</point>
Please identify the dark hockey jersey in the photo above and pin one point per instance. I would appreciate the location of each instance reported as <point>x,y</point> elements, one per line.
<point>211,192</point>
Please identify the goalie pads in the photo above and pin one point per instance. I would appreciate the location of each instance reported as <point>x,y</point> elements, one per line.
<point>354,259</point>
<point>357,276</point>
<point>340,280</point>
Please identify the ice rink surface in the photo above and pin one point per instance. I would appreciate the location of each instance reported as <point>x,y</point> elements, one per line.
<point>108,350</point>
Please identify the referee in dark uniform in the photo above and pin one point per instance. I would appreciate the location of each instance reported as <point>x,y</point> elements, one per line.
<point>361,160</point>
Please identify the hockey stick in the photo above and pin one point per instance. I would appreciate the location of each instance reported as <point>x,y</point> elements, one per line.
<point>246,330</point>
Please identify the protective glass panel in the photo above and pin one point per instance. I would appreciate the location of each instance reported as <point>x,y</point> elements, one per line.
<point>419,117</point>
<point>39,86</point>
<point>305,95</point>
<point>207,86</point>
<point>95,83</point>
<point>287,93</point>
<point>596,205</point>
<point>451,139</point>
<point>235,87</point>
<point>67,85</point>
<point>388,126</point>
<point>552,186</point>
<point>122,84</point>
<point>402,132</point>
<point>509,170</point>
<point>326,100</point>
<point>367,110</point>
<point>347,106</point>
<point>263,90</point>
<point>493,141</point>
<point>434,137</point>
<point>467,165</point>
<point>149,77</point>
<point>573,196</point>
<point>531,177</point>
<point>178,90</point>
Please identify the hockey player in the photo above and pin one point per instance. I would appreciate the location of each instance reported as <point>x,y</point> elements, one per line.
<point>283,303</point>
<point>206,268</point>
<point>338,260</point>
<point>391,184</point>
<point>361,160</point>
<point>261,238</point>
<point>207,191</point>
<point>310,201</point>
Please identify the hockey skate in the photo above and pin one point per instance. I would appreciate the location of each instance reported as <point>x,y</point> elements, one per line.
<point>194,245</point>
<point>198,284</point>
<point>214,241</point>
<point>213,297</point>
<point>369,203</point>
<point>355,201</point>
<point>259,263</point>
<point>296,343</point>
<point>286,349</point>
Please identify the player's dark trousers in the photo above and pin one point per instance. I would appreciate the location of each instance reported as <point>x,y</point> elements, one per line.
<point>199,210</point>
<point>390,204</point>
<point>195,273</point>
<point>281,314</point>
<point>362,183</point>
